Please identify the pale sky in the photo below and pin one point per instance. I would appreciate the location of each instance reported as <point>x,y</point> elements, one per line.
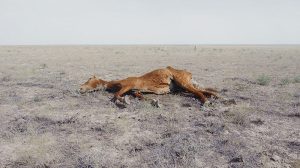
<point>42,22</point>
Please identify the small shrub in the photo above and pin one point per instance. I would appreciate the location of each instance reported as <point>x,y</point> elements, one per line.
<point>285,81</point>
<point>258,121</point>
<point>43,66</point>
<point>37,99</point>
<point>297,79</point>
<point>239,118</point>
<point>239,115</point>
<point>263,80</point>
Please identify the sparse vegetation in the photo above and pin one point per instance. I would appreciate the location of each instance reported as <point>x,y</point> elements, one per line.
<point>37,99</point>
<point>43,66</point>
<point>297,79</point>
<point>46,122</point>
<point>285,81</point>
<point>263,80</point>
<point>239,118</point>
<point>239,114</point>
<point>258,121</point>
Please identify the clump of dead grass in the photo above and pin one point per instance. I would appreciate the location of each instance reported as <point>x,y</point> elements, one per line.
<point>239,115</point>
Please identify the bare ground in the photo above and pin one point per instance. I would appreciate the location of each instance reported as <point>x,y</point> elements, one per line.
<point>44,122</point>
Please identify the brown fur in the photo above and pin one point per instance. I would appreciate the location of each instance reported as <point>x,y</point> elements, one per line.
<point>159,81</point>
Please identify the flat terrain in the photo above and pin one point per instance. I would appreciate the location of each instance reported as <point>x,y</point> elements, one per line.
<point>45,122</point>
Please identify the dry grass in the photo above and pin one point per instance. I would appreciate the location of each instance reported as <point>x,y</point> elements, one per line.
<point>285,81</point>
<point>239,114</point>
<point>263,80</point>
<point>297,79</point>
<point>45,122</point>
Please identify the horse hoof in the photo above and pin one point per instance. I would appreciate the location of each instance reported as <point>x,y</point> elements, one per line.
<point>126,100</point>
<point>156,103</point>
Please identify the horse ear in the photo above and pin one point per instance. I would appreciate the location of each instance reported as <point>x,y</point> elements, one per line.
<point>169,67</point>
<point>94,76</point>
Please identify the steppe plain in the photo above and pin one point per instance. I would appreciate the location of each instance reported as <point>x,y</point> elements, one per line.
<point>45,122</point>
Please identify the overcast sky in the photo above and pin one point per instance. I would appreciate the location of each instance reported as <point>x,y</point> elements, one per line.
<point>149,22</point>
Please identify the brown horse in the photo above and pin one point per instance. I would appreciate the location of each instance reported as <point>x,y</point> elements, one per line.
<point>160,81</point>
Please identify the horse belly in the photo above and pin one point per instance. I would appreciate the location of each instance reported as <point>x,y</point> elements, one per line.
<point>156,90</point>
<point>162,90</point>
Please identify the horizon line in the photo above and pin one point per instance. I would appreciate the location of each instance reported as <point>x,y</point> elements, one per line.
<point>157,44</point>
